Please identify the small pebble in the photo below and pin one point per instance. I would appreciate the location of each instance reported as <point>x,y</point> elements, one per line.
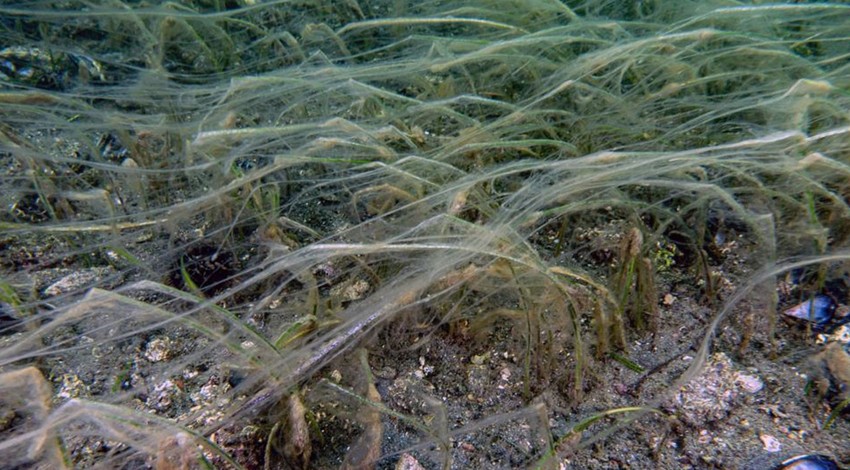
<point>158,349</point>
<point>408,462</point>
<point>770,443</point>
<point>76,281</point>
<point>480,359</point>
<point>749,383</point>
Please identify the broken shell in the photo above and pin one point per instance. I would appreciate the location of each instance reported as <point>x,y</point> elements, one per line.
<point>818,309</point>
<point>808,462</point>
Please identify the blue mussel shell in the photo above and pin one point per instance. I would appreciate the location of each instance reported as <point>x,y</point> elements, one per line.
<point>808,462</point>
<point>819,309</point>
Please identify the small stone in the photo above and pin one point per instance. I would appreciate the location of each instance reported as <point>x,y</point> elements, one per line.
<point>214,390</point>
<point>480,359</point>
<point>478,380</point>
<point>841,335</point>
<point>408,462</point>
<point>163,395</point>
<point>352,290</point>
<point>72,387</point>
<point>386,372</point>
<point>77,280</point>
<point>750,383</point>
<point>710,396</point>
<point>158,350</point>
<point>770,443</point>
